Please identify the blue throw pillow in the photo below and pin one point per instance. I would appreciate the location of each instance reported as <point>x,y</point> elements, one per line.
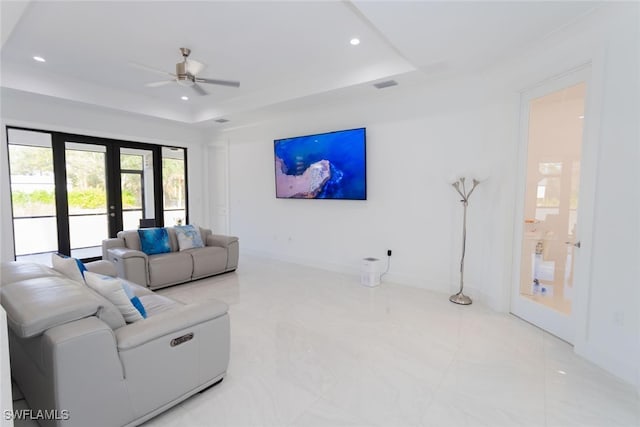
<point>81,266</point>
<point>134,299</point>
<point>138,305</point>
<point>154,240</point>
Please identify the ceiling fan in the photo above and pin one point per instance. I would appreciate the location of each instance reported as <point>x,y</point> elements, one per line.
<point>186,74</point>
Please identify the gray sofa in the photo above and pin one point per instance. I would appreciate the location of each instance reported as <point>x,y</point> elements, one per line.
<point>219,255</point>
<point>71,350</point>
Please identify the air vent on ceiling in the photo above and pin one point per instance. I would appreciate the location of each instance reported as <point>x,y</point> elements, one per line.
<point>222,120</point>
<point>387,83</point>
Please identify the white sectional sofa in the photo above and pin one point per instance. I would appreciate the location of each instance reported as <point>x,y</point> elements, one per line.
<point>72,352</point>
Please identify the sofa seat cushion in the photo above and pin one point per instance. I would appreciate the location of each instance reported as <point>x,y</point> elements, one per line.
<point>35,305</point>
<point>208,260</point>
<point>155,304</point>
<point>168,269</point>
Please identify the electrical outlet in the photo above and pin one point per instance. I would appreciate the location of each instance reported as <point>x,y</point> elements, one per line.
<point>388,252</point>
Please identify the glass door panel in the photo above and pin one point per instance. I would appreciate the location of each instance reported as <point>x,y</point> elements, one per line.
<point>87,198</point>
<point>554,142</point>
<point>33,195</point>
<point>136,186</point>
<point>174,186</point>
<point>132,211</point>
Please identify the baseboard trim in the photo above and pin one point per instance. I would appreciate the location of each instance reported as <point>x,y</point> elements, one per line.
<point>626,372</point>
<point>351,270</point>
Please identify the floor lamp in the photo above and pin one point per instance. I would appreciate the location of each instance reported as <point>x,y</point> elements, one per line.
<point>461,298</point>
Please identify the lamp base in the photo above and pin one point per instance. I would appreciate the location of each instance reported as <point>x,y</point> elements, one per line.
<point>460,298</point>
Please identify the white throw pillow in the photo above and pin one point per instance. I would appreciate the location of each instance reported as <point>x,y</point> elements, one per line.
<point>188,237</point>
<point>111,289</point>
<point>67,266</point>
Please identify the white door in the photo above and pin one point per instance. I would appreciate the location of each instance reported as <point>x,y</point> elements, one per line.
<point>547,233</point>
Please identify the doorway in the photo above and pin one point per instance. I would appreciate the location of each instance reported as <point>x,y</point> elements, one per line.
<point>548,220</point>
<point>69,192</point>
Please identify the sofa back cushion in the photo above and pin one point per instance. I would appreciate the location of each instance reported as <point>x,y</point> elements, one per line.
<point>131,239</point>
<point>35,305</point>
<point>173,239</point>
<point>15,271</point>
<point>204,232</point>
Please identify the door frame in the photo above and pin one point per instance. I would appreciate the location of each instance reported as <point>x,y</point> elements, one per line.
<point>575,329</point>
<point>113,171</point>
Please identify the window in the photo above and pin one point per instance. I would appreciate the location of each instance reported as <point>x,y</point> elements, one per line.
<point>69,192</point>
<point>174,186</point>
<point>32,194</point>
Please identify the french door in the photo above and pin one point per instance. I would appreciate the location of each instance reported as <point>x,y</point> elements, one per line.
<point>548,227</point>
<point>69,192</point>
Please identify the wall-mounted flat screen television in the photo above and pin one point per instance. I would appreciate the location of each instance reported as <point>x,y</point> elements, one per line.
<point>323,166</point>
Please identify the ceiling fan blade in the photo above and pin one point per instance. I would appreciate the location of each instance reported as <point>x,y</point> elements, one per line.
<point>218,82</point>
<point>151,69</point>
<point>194,67</point>
<point>160,83</point>
<point>199,89</point>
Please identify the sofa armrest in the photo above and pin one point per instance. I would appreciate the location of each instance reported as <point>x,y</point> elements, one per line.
<point>125,253</point>
<point>220,240</point>
<point>104,267</point>
<point>110,244</point>
<point>130,264</point>
<point>167,323</point>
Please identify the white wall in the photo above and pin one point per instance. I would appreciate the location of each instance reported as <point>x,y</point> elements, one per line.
<point>411,208</point>
<point>420,139</point>
<point>612,336</point>
<point>41,112</point>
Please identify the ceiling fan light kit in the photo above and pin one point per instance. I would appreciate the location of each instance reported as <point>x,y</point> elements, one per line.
<point>187,74</point>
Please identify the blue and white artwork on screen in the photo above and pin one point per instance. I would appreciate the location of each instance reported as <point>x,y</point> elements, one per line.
<point>323,166</point>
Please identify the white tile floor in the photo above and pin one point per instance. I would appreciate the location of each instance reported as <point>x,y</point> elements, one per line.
<point>314,348</point>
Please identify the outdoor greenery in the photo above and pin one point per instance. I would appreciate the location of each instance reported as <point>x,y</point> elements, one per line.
<point>85,181</point>
<point>173,183</point>
<point>39,201</point>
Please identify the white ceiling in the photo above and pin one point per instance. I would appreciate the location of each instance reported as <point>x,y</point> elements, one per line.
<point>279,51</point>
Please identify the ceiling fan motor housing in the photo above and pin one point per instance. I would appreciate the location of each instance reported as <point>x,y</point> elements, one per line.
<point>182,75</point>
<point>181,69</point>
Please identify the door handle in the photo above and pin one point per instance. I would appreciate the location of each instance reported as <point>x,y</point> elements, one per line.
<point>576,244</point>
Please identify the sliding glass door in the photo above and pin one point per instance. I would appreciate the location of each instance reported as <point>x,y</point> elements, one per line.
<point>70,192</point>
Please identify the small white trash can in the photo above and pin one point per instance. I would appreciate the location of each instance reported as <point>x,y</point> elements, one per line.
<point>370,274</point>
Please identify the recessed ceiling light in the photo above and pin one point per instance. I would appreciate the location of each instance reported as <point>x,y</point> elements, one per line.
<point>39,59</point>
<point>581,117</point>
<point>184,98</point>
<point>355,41</point>
<point>561,372</point>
